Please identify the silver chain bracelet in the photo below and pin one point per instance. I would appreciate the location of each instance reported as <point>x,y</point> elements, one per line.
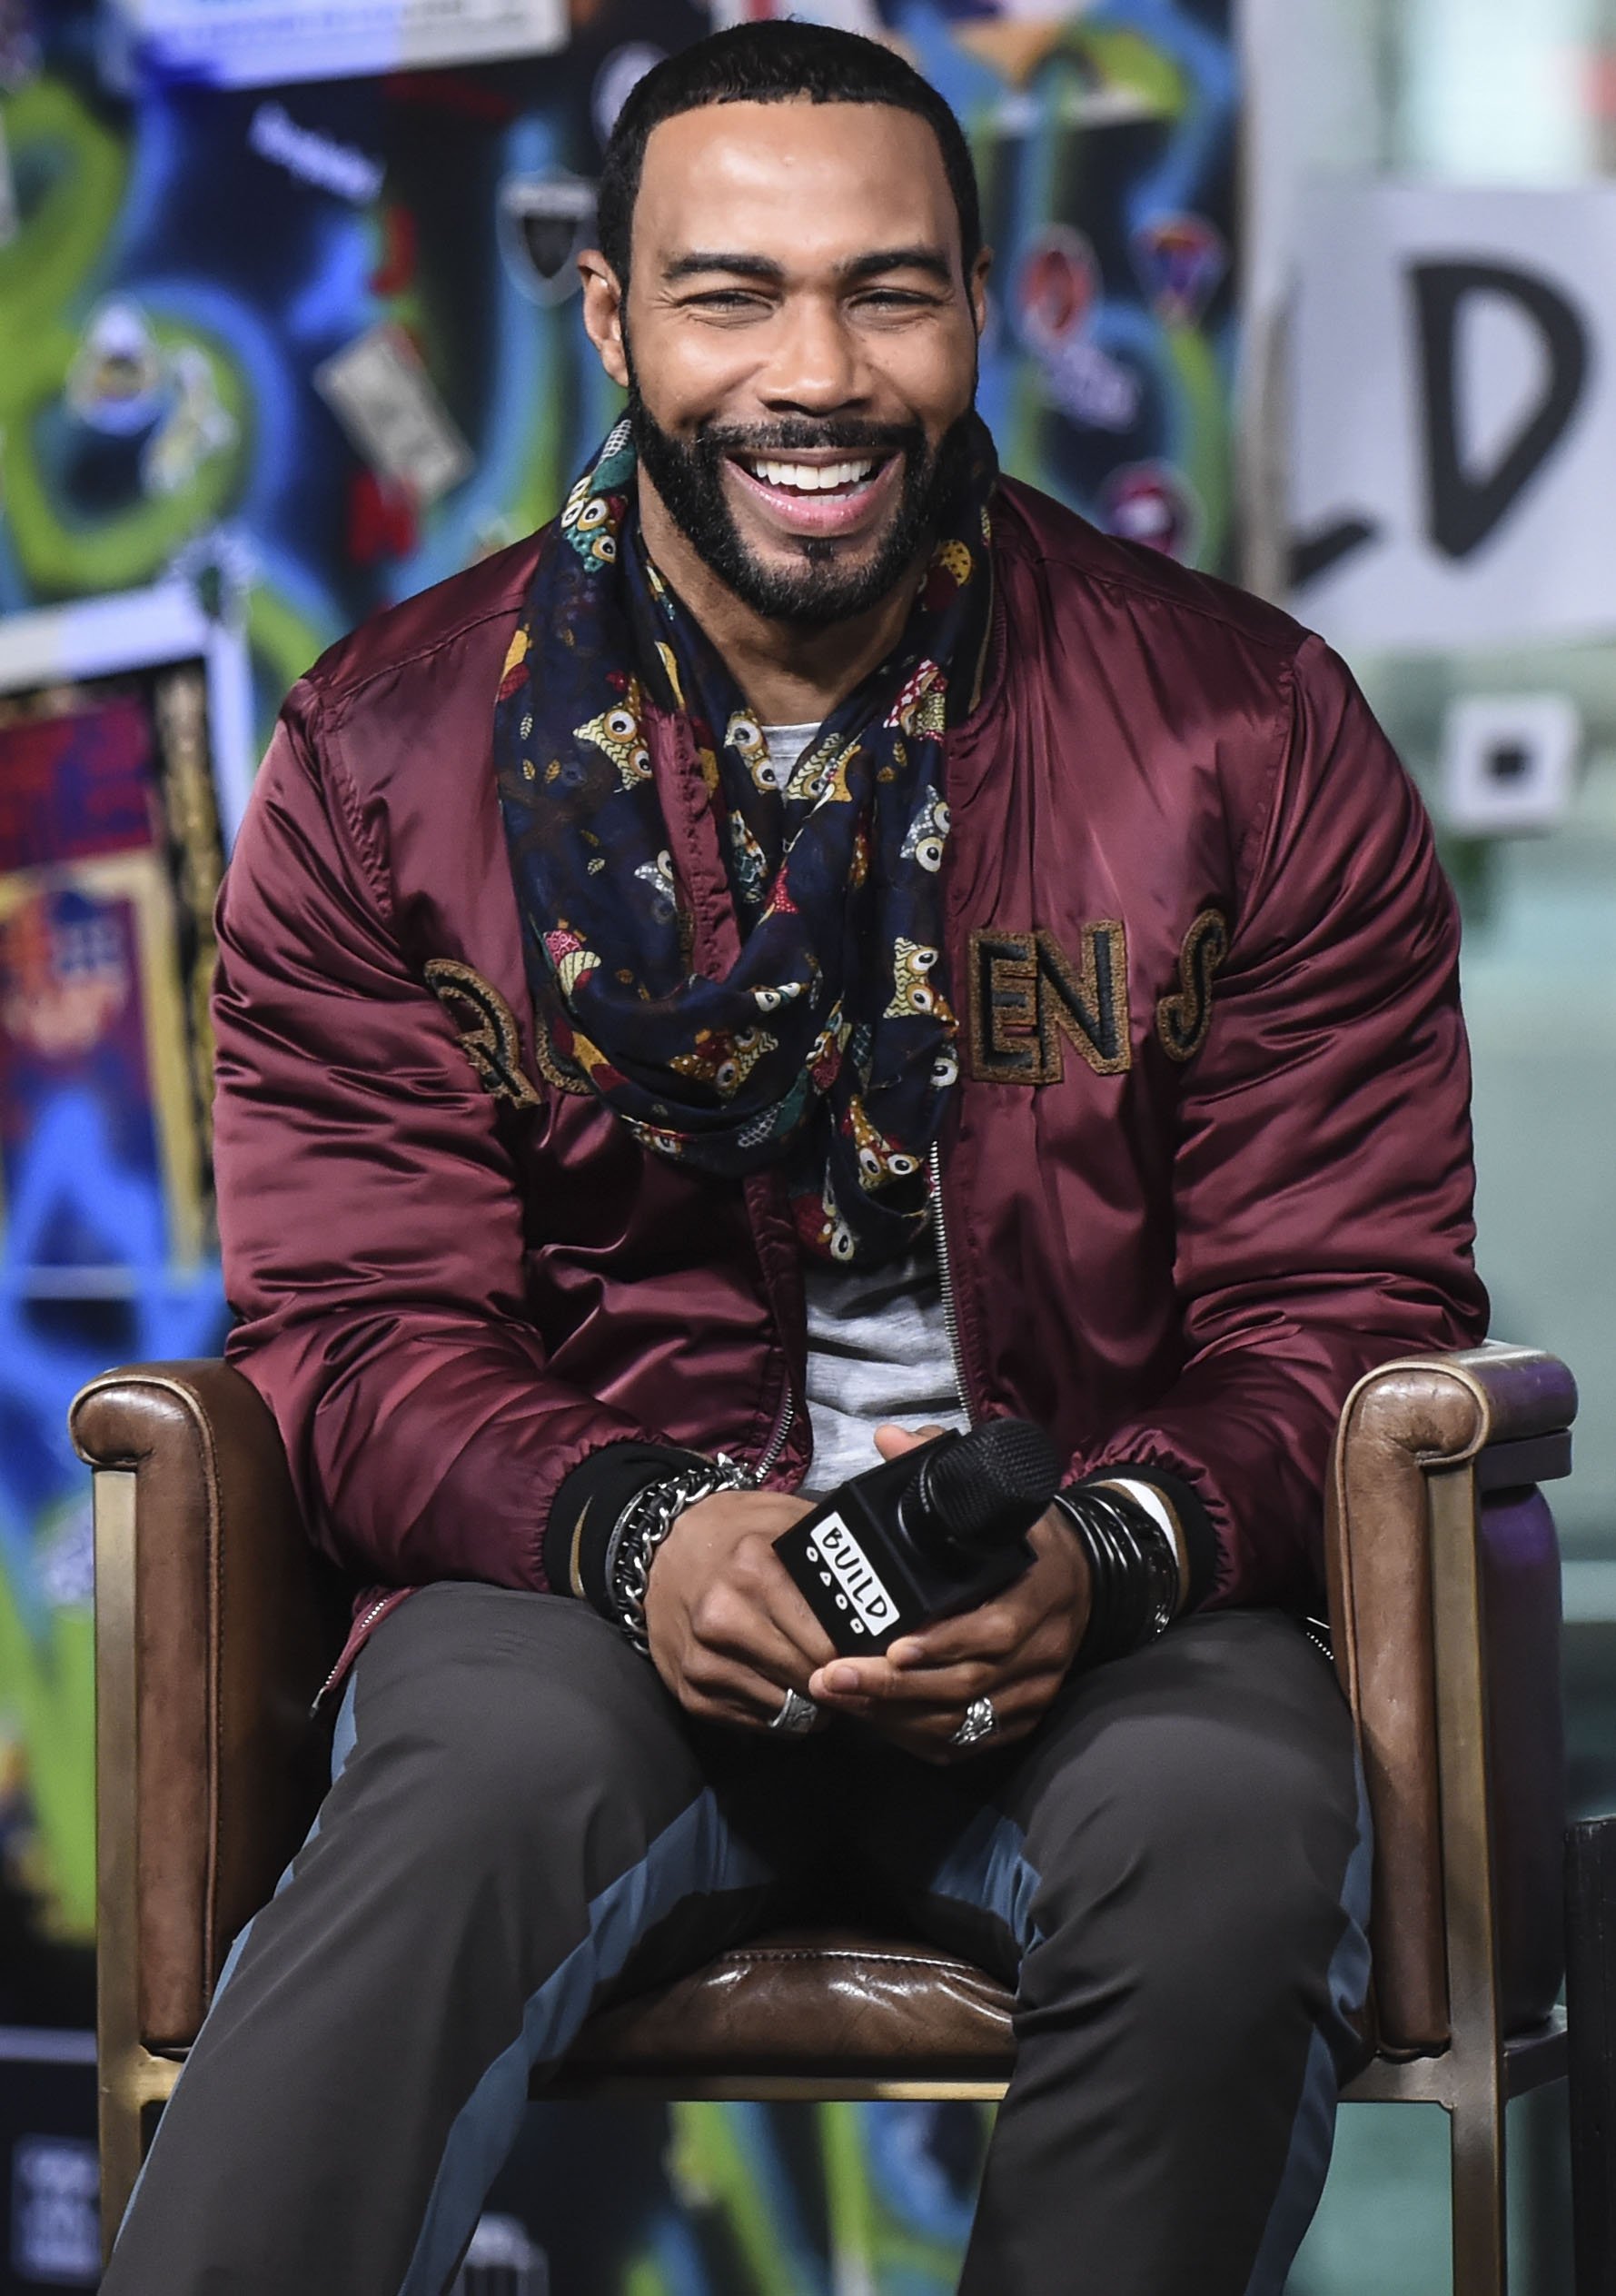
<point>643,1525</point>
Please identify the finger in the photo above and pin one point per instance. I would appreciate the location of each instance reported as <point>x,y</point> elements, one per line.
<point>892,1440</point>
<point>1017,1699</point>
<point>709,1700</point>
<point>703,1672</point>
<point>939,1725</point>
<point>763,1578</point>
<point>751,1638</point>
<point>994,1631</point>
<point>871,1683</point>
<point>729,1690</point>
<point>1047,1648</point>
<point>789,1615</point>
<point>757,1596</point>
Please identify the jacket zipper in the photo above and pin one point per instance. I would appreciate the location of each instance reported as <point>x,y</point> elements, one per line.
<point>777,1441</point>
<point>360,1627</point>
<point>945,1275</point>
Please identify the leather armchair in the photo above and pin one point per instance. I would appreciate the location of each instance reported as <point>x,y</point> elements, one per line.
<point>216,1625</point>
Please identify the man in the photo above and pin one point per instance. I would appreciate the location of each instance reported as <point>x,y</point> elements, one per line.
<point>820,940</point>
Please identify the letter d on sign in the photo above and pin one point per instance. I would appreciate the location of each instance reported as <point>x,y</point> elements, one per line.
<point>1463,506</point>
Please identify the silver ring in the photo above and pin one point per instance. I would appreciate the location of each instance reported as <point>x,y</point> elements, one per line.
<point>980,1722</point>
<point>798,1716</point>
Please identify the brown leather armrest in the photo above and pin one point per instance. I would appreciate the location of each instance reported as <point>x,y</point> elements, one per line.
<point>1403,1423</point>
<point>237,1622</point>
<point>1443,1409</point>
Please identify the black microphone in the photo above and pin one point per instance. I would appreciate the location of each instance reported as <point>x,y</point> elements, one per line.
<point>921,1537</point>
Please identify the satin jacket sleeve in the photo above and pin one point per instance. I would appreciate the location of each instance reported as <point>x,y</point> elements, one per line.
<point>372,1224</point>
<point>1323,1174</point>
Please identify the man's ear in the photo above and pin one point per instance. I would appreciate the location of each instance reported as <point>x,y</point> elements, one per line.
<point>979,271</point>
<point>603,313</point>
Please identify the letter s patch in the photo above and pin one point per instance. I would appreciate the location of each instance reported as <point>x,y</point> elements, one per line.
<point>1184,1015</point>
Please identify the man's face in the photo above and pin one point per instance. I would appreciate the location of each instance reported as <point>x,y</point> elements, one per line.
<point>800,345</point>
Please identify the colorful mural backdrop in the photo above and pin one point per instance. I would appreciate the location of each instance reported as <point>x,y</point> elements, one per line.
<point>309,345</point>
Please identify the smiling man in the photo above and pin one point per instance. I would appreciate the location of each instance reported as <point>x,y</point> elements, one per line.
<point>818,945</point>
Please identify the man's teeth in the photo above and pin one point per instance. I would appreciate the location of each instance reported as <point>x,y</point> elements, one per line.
<point>810,477</point>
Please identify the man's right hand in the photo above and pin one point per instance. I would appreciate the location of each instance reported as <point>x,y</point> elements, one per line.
<point>730,1633</point>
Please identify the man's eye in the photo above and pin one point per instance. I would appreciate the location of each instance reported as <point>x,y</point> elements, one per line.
<point>726,299</point>
<point>895,299</point>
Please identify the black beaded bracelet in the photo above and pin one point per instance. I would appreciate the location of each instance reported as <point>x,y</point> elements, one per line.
<point>1134,1570</point>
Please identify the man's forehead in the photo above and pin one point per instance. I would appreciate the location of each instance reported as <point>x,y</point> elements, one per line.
<point>810,185</point>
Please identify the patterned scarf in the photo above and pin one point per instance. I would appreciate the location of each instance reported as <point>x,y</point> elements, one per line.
<point>828,1046</point>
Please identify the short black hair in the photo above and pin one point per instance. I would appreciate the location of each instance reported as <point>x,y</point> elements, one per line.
<point>772,62</point>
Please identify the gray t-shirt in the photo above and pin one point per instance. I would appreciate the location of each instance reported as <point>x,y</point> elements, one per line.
<point>877,1341</point>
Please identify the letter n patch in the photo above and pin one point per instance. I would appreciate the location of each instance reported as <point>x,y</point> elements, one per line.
<point>1029,1000</point>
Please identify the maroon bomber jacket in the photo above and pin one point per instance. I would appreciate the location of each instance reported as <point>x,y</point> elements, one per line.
<point>1207,1159</point>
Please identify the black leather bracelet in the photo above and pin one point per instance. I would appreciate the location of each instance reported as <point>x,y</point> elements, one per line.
<point>1133,1571</point>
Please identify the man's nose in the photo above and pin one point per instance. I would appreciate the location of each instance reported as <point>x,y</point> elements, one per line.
<point>815,366</point>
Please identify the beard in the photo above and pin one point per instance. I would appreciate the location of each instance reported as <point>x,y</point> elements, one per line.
<point>817,591</point>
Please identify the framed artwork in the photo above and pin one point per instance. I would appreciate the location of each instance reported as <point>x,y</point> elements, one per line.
<point>117,801</point>
<point>124,763</point>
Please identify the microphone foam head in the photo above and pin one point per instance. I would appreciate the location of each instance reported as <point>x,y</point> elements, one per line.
<point>991,1486</point>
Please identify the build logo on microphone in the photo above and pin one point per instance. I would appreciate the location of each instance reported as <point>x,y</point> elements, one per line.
<point>841,1558</point>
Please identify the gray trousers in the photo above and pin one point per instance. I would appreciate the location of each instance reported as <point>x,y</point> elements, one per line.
<point>1173,1871</point>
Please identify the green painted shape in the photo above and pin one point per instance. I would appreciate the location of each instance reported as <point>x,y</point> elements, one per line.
<point>47,1690</point>
<point>851,2204</point>
<point>709,2170</point>
<point>543,487</point>
<point>55,255</point>
<point>60,559</point>
<point>1131,60</point>
<point>1204,417</point>
<point>47,276</point>
<point>645,2277</point>
<point>283,642</point>
<point>1021,449</point>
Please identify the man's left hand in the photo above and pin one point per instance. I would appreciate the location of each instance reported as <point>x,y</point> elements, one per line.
<point>1015,1649</point>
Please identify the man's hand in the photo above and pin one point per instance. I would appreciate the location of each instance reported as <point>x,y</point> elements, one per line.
<point>730,1633</point>
<point>1015,1649</point>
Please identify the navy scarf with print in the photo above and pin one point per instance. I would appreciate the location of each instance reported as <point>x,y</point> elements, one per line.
<point>829,1047</point>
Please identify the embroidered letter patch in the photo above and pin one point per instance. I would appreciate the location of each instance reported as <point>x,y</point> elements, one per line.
<point>1026,996</point>
<point>1182,1017</point>
<point>486,1027</point>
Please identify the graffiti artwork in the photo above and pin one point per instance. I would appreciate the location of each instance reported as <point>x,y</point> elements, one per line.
<point>319,349</point>
<point>303,348</point>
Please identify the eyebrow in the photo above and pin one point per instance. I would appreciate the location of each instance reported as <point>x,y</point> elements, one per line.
<point>930,260</point>
<point>933,261</point>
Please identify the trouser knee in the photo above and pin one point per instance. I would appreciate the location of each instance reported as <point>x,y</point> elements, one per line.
<point>503,1737</point>
<point>1208,1873</point>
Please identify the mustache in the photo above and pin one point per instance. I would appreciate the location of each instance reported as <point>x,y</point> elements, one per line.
<point>800,435</point>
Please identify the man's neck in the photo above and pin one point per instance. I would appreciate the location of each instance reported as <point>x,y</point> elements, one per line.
<point>790,676</point>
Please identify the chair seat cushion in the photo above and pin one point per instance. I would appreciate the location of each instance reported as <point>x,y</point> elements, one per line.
<point>809,2001</point>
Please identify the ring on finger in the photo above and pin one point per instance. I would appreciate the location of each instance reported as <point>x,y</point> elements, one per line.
<point>980,1722</point>
<point>797,1716</point>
